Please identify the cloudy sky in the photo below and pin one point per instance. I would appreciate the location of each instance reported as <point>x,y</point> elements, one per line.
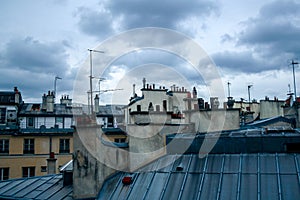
<point>250,42</point>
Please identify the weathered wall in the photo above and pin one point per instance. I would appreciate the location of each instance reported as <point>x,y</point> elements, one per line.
<point>93,162</point>
<point>146,143</point>
<point>254,107</point>
<point>215,120</point>
<point>269,108</point>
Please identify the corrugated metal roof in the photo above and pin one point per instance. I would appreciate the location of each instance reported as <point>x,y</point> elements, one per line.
<point>217,176</point>
<point>39,187</point>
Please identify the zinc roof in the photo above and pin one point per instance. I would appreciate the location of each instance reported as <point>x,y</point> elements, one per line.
<point>38,187</point>
<point>216,176</point>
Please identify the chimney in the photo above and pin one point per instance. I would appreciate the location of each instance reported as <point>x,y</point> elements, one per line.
<point>214,102</point>
<point>50,102</point>
<point>65,100</point>
<point>44,102</point>
<point>51,164</point>
<point>194,92</point>
<point>17,95</point>
<point>96,102</point>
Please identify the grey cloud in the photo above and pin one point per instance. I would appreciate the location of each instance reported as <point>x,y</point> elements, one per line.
<point>97,23</point>
<point>239,61</point>
<point>121,15</point>
<point>272,37</point>
<point>34,56</point>
<point>31,65</point>
<point>274,31</point>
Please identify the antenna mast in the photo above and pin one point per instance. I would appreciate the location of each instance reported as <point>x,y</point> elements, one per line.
<point>228,84</point>
<point>293,63</point>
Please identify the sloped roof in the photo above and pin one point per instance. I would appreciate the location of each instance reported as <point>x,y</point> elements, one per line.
<point>36,109</point>
<point>216,176</point>
<point>38,187</point>
<point>8,97</point>
<point>111,110</point>
<point>269,121</point>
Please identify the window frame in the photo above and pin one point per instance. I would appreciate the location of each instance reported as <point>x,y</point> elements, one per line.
<point>3,175</point>
<point>30,122</point>
<point>64,145</point>
<point>120,140</point>
<point>30,172</point>
<point>4,146</point>
<point>28,147</point>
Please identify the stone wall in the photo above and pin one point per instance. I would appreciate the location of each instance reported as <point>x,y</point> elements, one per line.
<point>93,162</point>
<point>215,120</point>
<point>269,108</point>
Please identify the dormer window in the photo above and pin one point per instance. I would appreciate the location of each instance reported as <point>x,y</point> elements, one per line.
<point>30,122</point>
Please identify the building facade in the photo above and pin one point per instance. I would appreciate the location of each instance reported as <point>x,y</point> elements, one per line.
<point>35,139</point>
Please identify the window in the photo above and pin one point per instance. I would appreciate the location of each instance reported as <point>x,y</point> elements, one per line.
<point>2,115</point>
<point>4,173</point>
<point>138,108</point>
<point>28,171</point>
<point>30,122</point>
<point>157,108</point>
<point>120,140</point>
<point>43,168</point>
<point>4,146</point>
<point>28,146</point>
<point>150,107</point>
<point>165,105</point>
<point>64,146</point>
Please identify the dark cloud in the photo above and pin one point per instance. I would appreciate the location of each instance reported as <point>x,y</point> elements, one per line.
<point>272,37</point>
<point>118,15</point>
<point>34,56</point>
<point>32,65</point>
<point>241,61</point>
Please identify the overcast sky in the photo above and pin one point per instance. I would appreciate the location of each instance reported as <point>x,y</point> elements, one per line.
<point>251,42</point>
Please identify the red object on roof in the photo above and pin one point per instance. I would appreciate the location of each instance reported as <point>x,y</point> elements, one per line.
<point>127,180</point>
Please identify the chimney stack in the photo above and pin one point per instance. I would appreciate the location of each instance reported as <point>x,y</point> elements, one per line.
<point>194,92</point>
<point>17,95</point>
<point>51,164</point>
<point>50,102</point>
<point>65,100</point>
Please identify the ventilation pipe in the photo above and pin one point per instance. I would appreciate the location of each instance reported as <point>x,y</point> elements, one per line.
<point>96,103</point>
<point>133,90</point>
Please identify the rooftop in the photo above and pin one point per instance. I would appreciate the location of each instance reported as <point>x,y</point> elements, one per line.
<point>39,187</point>
<point>216,176</point>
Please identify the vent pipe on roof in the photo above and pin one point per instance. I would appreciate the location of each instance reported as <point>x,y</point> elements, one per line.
<point>133,90</point>
<point>96,103</point>
<point>144,83</point>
